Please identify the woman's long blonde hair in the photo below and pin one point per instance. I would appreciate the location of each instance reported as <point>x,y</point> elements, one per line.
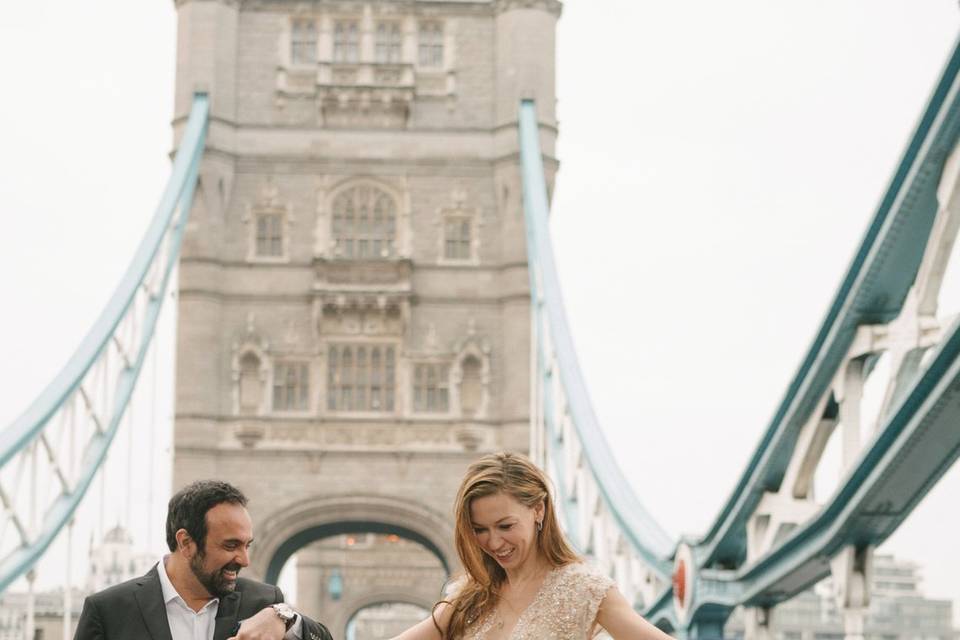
<point>514,475</point>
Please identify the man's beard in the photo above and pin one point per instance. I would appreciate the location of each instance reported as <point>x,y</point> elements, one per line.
<point>214,582</point>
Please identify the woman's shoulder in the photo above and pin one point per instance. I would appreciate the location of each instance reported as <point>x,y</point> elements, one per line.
<point>585,576</point>
<point>579,568</point>
<point>578,589</point>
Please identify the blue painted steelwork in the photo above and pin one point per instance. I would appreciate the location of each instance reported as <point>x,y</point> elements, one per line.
<point>568,506</point>
<point>20,435</point>
<point>872,291</point>
<point>649,540</point>
<point>914,446</point>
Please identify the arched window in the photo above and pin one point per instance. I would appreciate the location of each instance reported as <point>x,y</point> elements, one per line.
<point>251,390</point>
<point>364,224</point>
<point>471,386</point>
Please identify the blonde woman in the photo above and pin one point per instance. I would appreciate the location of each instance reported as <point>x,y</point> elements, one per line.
<point>522,580</point>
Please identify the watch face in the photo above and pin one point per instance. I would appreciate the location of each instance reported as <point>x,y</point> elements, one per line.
<point>284,610</point>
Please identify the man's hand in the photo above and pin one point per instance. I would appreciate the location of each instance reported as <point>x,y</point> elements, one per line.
<point>266,625</point>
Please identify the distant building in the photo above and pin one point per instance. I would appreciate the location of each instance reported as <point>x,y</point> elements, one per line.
<point>48,614</point>
<point>115,561</point>
<point>384,621</point>
<point>383,583</point>
<point>111,562</point>
<point>898,610</point>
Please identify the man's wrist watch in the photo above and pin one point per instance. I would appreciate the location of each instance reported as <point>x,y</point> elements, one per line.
<point>286,613</point>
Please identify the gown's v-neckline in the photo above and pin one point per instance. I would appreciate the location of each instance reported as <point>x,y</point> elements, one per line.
<point>523,614</point>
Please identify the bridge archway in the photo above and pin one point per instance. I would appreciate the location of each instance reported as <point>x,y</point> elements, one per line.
<point>299,524</point>
<point>417,596</point>
<point>665,622</point>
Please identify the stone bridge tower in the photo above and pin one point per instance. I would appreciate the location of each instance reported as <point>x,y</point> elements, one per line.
<point>353,310</point>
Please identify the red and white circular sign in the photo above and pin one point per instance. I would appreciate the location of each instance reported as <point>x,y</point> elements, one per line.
<point>683,582</point>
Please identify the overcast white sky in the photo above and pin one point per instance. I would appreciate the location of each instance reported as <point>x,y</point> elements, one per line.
<point>720,161</point>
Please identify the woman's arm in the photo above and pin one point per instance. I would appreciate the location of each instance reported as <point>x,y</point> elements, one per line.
<point>426,629</point>
<point>622,622</point>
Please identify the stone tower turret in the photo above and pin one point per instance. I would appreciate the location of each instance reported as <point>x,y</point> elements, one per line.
<point>525,61</point>
<point>207,56</point>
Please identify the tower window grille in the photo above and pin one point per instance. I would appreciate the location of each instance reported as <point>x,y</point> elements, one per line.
<point>291,386</point>
<point>388,42</point>
<point>346,41</point>
<point>364,224</point>
<point>269,240</point>
<point>457,238</point>
<point>361,377</point>
<point>431,391</point>
<point>430,48</point>
<point>303,42</point>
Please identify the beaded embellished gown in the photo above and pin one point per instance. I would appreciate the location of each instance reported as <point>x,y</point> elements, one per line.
<point>565,608</point>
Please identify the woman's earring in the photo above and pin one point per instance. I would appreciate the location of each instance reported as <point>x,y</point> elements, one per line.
<point>539,525</point>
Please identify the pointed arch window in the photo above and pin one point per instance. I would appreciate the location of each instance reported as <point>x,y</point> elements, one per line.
<point>471,386</point>
<point>364,224</point>
<point>251,389</point>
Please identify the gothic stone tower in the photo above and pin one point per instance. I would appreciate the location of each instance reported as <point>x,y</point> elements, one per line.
<point>353,310</point>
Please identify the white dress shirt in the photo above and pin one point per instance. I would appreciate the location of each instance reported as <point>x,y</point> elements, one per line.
<point>187,624</point>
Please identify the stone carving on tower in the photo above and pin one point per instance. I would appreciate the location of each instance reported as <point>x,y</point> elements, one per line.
<point>338,76</point>
<point>249,371</point>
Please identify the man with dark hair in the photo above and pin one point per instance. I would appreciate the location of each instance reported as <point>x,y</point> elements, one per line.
<point>195,592</point>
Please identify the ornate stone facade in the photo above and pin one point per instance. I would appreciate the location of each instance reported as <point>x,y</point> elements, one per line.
<point>354,302</point>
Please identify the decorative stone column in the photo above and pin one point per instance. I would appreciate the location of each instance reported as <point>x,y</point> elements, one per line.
<point>852,571</point>
<point>758,623</point>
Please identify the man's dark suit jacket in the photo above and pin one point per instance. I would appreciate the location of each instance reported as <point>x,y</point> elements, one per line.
<point>135,610</point>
